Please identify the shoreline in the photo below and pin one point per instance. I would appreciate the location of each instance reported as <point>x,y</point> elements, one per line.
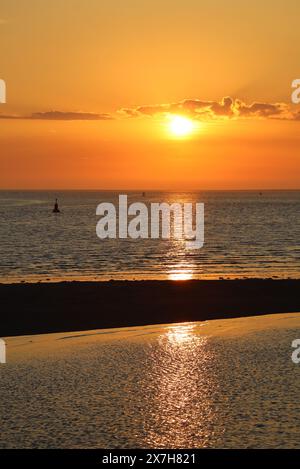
<point>39,308</point>
<point>24,348</point>
<point>175,277</point>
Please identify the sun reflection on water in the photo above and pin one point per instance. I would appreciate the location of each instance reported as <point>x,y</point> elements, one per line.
<point>180,275</point>
<point>182,382</point>
<point>180,334</point>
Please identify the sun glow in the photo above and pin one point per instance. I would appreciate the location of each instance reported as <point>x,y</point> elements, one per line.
<point>181,126</point>
<point>180,275</point>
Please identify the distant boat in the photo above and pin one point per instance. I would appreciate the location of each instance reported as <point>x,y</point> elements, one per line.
<point>56,209</point>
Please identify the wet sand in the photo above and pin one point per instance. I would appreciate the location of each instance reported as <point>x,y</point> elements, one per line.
<point>40,346</point>
<point>212,384</point>
<point>70,306</point>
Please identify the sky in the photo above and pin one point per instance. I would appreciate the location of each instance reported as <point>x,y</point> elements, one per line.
<point>93,88</point>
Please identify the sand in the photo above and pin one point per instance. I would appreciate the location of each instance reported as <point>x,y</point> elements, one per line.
<point>69,306</point>
<point>212,384</point>
<point>24,348</point>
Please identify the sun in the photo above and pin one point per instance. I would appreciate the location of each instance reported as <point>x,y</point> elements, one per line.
<point>181,126</point>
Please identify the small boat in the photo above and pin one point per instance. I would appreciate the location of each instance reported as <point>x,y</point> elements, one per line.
<point>56,209</point>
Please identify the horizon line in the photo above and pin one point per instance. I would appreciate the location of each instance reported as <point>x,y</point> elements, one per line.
<point>148,190</point>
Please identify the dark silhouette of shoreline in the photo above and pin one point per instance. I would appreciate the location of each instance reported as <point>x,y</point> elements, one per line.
<point>72,306</point>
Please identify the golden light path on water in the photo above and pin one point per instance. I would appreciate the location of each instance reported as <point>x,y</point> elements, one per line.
<point>184,270</point>
<point>180,275</point>
<point>181,383</point>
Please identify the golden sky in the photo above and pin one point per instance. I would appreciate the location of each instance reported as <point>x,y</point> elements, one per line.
<point>93,86</point>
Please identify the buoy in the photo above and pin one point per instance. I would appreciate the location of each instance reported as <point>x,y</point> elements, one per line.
<point>56,209</point>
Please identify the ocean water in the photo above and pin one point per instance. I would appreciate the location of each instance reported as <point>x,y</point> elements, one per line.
<point>166,386</point>
<point>247,234</point>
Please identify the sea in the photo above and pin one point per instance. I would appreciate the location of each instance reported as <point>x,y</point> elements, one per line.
<point>248,234</point>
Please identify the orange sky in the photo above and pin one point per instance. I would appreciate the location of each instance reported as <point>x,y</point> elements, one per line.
<point>114,72</point>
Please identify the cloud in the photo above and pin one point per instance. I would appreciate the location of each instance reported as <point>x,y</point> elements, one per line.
<point>60,116</point>
<point>261,109</point>
<point>297,116</point>
<point>227,108</point>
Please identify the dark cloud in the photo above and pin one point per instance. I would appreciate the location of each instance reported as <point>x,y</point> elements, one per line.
<point>127,112</point>
<point>224,108</point>
<point>297,116</point>
<point>60,116</point>
<point>260,109</point>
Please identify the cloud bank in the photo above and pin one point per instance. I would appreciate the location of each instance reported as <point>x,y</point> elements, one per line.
<point>210,110</point>
<point>226,108</point>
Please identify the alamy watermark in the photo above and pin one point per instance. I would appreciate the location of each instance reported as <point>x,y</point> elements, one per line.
<point>137,221</point>
<point>2,351</point>
<point>2,92</point>
<point>295,97</point>
<point>296,353</point>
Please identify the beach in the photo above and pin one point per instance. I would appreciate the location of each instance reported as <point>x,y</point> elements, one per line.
<point>149,231</point>
<point>69,306</point>
<point>212,384</point>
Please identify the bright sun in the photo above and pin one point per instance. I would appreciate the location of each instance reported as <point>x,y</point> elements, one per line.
<point>181,126</point>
